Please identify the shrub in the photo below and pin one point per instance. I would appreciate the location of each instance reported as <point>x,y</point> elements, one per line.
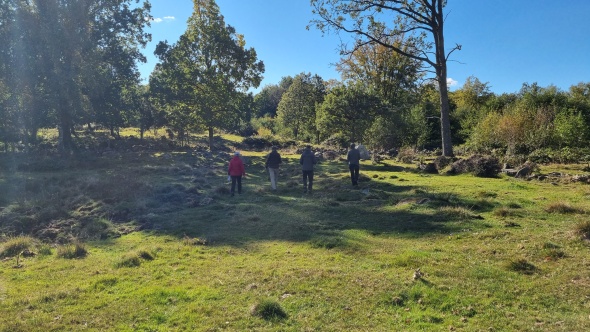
<point>441,162</point>
<point>77,250</point>
<point>336,141</point>
<point>407,155</point>
<point>15,246</point>
<point>268,310</point>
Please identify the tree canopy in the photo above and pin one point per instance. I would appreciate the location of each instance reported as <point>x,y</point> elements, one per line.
<point>201,77</point>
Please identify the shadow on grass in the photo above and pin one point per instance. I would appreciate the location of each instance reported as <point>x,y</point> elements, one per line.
<point>179,194</point>
<point>377,207</point>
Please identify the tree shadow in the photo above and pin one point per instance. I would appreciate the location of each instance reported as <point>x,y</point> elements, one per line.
<point>376,207</point>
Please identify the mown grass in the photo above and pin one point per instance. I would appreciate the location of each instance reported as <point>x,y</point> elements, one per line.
<point>166,249</point>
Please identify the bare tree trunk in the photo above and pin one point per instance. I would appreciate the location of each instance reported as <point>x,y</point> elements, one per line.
<point>441,76</point>
<point>210,138</point>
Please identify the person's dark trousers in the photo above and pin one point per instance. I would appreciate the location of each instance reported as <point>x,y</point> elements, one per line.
<point>235,179</point>
<point>307,181</point>
<point>354,174</point>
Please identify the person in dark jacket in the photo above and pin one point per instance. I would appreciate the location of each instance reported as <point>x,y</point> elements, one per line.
<point>236,170</point>
<point>273,160</point>
<point>307,162</point>
<point>354,160</point>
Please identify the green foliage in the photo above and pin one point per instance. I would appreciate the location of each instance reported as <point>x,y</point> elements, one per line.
<point>296,112</point>
<point>202,79</point>
<point>349,111</point>
<point>76,64</point>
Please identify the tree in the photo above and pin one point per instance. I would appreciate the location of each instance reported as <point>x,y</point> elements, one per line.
<point>296,112</point>
<point>267,100</point>
<point>203,76</point>
<point>471,101</point>
<point>414,21</point>
<point>349,111</point>
<point>69,60</point>
<point>391,75</point>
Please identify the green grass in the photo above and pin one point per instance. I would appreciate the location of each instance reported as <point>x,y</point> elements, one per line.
<point>167,250</point>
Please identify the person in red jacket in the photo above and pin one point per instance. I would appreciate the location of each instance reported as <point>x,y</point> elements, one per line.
<point>236,170</point>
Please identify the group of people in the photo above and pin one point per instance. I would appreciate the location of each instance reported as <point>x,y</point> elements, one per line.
<point>307,160</point>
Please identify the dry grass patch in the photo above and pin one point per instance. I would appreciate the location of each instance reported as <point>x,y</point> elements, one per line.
<point>563,208</point>
<point>76,250</point>
<point>582,229</point>
<point>14,246</point>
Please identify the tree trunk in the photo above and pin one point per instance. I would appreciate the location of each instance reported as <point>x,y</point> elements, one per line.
<point>210,138</point>
<point>441,77</point>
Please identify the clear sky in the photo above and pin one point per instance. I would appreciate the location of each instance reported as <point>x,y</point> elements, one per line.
<point>504,42</point>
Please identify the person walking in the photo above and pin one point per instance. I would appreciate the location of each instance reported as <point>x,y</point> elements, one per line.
<point>273,160</point>
<point>354,160</point>
<point>236,170</point>
<point>307,161</point>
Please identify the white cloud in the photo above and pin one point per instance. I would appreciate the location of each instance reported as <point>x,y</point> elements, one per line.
<point>165,18</point>
<point>451,82</point>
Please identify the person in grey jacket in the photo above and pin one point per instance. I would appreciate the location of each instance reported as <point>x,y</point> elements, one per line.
<point>354,161</point>
<point>307,162</point>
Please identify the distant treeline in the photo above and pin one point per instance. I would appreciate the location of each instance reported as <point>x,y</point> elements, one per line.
<point>74,65</point>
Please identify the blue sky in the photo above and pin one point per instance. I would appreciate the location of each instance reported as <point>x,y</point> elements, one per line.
<point>504,42</point>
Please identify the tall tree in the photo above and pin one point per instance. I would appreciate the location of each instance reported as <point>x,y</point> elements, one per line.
<point>207,70</point>
<point>67,56</point>
<point>349,111</point>
<point>267,100</point>
<point>419,24</point>
<point>296,112</point>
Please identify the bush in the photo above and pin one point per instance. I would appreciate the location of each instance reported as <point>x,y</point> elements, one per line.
<point>407,155</point>
<point>441,162</point>
<point>336,141</point>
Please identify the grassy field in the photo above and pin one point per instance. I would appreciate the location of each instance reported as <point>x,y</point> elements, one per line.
<point>152,241</point>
